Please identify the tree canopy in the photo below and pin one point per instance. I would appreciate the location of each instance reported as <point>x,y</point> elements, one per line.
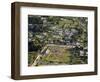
<point>63,30</point>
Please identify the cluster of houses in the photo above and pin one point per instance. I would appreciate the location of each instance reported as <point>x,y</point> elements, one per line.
<point>58,36</point>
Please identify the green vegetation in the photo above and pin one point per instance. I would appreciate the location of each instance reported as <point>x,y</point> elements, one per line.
<point>70,32</point>
<point>54,57</point>
<point>31,57</point>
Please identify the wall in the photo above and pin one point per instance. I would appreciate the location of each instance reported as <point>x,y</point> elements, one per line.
<point>5,38</point>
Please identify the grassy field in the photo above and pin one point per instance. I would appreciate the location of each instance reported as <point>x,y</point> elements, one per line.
<point>57,55</point>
